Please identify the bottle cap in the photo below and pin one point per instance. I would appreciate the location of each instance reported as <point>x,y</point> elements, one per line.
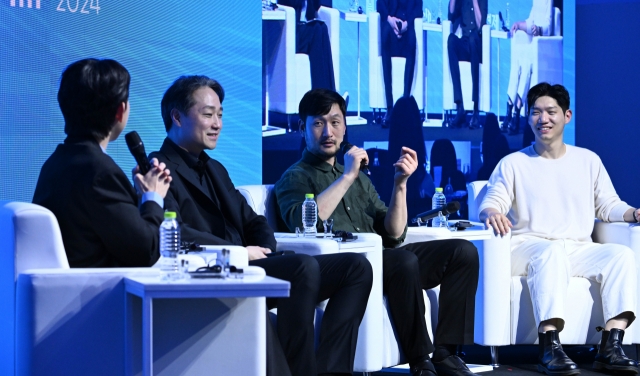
<point>438,189</point>
<point>308,195</point>
<point>169,215</point>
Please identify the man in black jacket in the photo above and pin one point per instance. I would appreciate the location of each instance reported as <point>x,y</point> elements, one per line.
<point>98,210</point>
<point>211,211</point>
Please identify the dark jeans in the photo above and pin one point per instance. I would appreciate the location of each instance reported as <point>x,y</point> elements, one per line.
<point>346,278</point>
<point>392,46</point>
<point>467,48</point>
<point>452,264</point>
<point>312,38</point>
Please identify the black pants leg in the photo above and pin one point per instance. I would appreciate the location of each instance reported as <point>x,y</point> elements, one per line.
<point>296,313</point>
<point>312,38</point>
<point>392,46</point>
<point>402,286</point>
<point>454,265</point>
<point>467,48</point>
<point>276,360</point>
<point>346,281</point>
<point>475,52</point>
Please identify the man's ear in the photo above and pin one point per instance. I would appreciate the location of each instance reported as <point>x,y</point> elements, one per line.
<point>568,115</point>
<point>302,126</point>
<point>122,108</point>
<point>176,117</point>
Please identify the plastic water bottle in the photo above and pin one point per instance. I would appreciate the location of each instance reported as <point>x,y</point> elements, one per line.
<point>169,247</point>
<point>438,201</point>
<point>309,215</point>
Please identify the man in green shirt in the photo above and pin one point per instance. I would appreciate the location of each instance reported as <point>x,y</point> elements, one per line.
<point>347,195</point>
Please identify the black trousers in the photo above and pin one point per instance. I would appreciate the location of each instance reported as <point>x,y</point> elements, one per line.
<point>467,48</point>
<point>392,46</point>
<point>452,264</point>
<point>312,38</point>
<point>346,278</point>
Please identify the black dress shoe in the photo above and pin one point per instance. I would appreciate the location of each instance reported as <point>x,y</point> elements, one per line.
<point>386,122</point>
<point>452,366</point>
<point>610,355</point>
<point>552,360</point>
<point>474,123</point>
<point>423,368</point>
<point>507,121</point>
<point>459,120</point>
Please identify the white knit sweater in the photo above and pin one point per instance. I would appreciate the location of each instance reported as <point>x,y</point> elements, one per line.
<point>554,198</point>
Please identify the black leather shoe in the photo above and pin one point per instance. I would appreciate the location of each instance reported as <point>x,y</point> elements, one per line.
<point>386,122</point>
<point>452,366</point>
<point>514,126</point>
<point>461,117</point>
<point>507,121</point>
<point>474,123</point>
<point>610,355</point>
<point>423,368</point>
<point>552,360</point>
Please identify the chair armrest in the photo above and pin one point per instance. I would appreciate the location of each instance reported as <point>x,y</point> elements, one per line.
<point>493,297</point>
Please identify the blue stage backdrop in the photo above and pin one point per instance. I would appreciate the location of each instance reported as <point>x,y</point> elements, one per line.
<point>157,41</point>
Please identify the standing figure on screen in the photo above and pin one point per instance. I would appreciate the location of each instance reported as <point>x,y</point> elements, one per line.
<point>312,38</point>
<point>398,38</point>
<point>539,23</point>
<point>469,16</point>
<point>547,195</point>
<point>104,221</point>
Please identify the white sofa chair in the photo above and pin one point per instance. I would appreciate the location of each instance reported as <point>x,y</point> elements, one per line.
<point>289,73</point>
<point>377,346</point>
<point>72,321</point>
<point>377,99</point>
<point>504,313</point>
<point>465,74</point>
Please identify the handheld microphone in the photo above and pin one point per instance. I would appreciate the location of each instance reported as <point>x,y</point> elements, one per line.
<point>504,28</point>
<point>449,208</point>
<point>364,167</point>
<point>136,147</point>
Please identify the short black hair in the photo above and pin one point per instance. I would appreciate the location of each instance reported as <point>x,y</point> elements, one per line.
<point>91,90</point>
<point>544,89</point>
<point>180,95</point>
<point>318,102</point>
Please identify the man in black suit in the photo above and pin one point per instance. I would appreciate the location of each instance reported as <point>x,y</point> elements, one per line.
<point>312,39</point>
<point>398,38</point>
<point>102,221</point>
<point>469,15</point>
<point>211,211</point>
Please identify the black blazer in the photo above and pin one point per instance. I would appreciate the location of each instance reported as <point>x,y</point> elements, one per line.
<point>97,208</point>
<point>196,211</point>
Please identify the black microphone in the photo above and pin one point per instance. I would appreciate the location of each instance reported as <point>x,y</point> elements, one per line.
<point>136,147</point>
<point>504,28</point>
<point>449,208</point>
<point>364,167</point>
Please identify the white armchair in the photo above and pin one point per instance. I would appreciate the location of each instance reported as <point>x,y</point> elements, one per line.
<point>72,321</point>
<point>289,73</point>
<point>504,313</point>
<point>466,81</point>
<point>377,346</point>
<point>376,81</point>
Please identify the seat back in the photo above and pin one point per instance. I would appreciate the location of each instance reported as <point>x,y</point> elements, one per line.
<point>476,191</point>
<point>262,199</point>
<point>30,238</point>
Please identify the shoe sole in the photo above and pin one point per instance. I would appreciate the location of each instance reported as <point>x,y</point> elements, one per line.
<point>541,369</point>
<point>598,366</point>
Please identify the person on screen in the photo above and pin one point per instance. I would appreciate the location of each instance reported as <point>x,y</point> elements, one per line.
<point>494,146</point>
<point>470,16</point>
<point>347,195</point>
<point>312,39</point>
<point>211,211</point>
<point>103,221</point>
<point>539,23</point>
<point>547,195</point>
<point>397,38</point>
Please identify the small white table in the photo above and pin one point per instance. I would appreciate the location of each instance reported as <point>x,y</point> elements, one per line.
<point>358,18</point>
<point>422,234</point>
<point>150,288</point>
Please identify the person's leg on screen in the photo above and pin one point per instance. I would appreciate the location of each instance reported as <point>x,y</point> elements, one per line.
<point>475,52</point>
<point>458,50</point>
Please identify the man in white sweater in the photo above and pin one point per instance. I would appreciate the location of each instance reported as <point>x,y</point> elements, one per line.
<point>547,195</point>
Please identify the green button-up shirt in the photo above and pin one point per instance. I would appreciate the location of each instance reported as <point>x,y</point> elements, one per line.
<point>360,210</point>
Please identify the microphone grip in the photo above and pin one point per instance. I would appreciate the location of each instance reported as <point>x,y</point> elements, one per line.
<point>143,163</point>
